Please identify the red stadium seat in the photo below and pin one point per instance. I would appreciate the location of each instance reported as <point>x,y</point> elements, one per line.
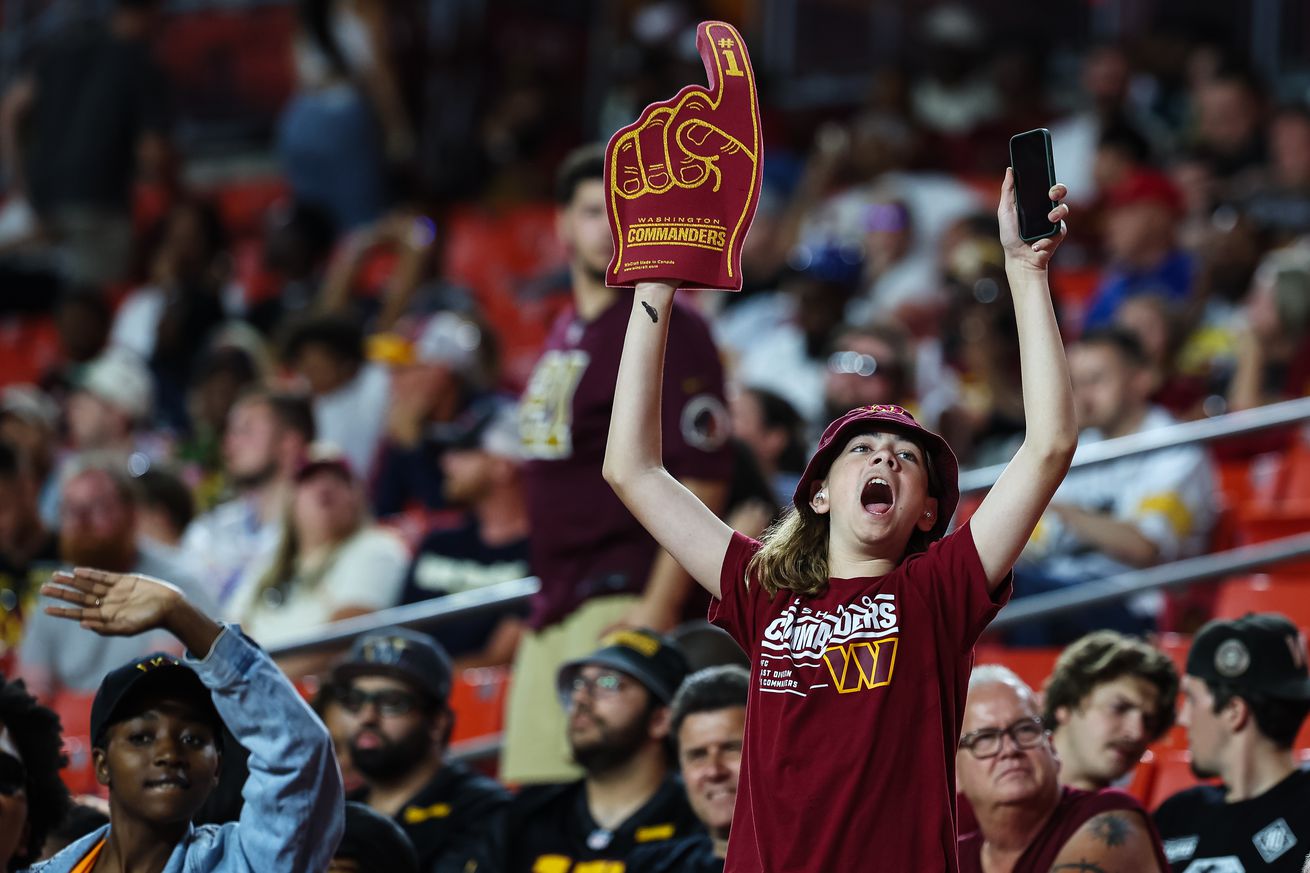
<point>478,700</point>
<point>1289,595</point>
<point>74,710</point>
<point>1173,773</point>
<point>1031,665</point>
<point>1143,778</point>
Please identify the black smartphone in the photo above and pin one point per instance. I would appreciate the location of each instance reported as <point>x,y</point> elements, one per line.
<point>1034,174</point>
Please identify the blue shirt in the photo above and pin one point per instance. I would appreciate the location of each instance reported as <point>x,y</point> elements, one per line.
<point>294,811</point>
<point>1171,280</point>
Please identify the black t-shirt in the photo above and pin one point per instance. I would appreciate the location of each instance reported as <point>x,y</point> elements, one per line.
<point>95,95</point>
<point>693,854</point>
<point>549,829</point>
<point>450,819</point>
<point>1268,834</point>
<point>458,559</point>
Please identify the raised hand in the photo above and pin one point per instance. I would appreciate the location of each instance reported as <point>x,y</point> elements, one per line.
<point>1035,255</point>
<point>112,604</point>
<point>684,178</point>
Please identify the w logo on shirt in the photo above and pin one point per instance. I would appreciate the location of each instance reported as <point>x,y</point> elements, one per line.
<point>861,666</point>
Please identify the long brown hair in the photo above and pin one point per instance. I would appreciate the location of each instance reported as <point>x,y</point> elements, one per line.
<point>794,549</point>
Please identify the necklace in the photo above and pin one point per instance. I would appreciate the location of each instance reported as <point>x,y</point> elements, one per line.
<point>600,839</point>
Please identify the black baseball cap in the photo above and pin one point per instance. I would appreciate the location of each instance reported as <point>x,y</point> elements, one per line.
<point>376,842</point>
<point>1259,652</point>
<point>646,656</point>
<point>401,653</point>
<point>159,673</point>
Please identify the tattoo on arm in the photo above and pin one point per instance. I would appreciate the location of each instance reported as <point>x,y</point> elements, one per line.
<point>1110,829</point>
<point>650,310</point>
<point>1080,866</point>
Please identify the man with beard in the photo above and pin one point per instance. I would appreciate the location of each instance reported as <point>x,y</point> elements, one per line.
<point>1027,822</point>
<point>1109,697</point>
<point>392,691</point>
<point>598,566</point>
<point>97,529</point>
<point>709,724</point>
<point>263,446</point>
<point>1246,693</point>
<point>617,700</point>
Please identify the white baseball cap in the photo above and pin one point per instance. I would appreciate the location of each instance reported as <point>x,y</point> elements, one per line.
<point>122,380</point>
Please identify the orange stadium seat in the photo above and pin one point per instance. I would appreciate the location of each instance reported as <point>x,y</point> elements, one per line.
<point>74,710</point>
<point>1173,773</point>
<point>29,346</point>
<point>1031,665</point>
<point>1143,778</point>
<point>1265,592</point>
<point>478,700</point>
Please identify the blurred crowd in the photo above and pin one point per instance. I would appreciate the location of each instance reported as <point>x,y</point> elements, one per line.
<point>322,420</point>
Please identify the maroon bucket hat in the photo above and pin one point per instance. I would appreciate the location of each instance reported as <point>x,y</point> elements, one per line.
<point>893,419</point>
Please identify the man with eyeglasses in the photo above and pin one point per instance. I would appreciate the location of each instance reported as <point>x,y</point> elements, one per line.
<point>868,366</point>
<point>617,701</point>
<point>1027,822</point>
<point>393,690</point>
<point>33,799</point>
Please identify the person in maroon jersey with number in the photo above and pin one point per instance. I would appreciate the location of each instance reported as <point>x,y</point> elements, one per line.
<point>858,611</point>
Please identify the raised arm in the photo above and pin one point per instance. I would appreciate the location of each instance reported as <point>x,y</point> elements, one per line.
<point>1006,518</point>
<point>686,528</point>
<point>293,814</point>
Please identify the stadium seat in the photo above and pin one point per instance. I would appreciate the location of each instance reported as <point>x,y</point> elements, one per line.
<point>1143,778</point>
<point>1031,665</point>
<point>74,710</point>
<point>478,700</point>
<point>1289,595</point>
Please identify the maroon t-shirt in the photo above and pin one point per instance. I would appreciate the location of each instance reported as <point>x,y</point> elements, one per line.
<point>584,542</point>
<point>854,715</point>
<point>1072,812</point>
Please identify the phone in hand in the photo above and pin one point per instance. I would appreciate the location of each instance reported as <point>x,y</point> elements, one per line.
<point>1034,174</point>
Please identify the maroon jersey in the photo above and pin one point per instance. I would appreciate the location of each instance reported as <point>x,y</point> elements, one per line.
<point>585,543</point>
<point>1072,812</point>
<point>856,701</point>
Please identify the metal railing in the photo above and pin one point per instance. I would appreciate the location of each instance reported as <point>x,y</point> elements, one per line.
<point>1282,414</point>
<point>427,613</point>
<point>1240,560</point>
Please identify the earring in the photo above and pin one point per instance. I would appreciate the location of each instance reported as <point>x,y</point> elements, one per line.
<point>927,515</point>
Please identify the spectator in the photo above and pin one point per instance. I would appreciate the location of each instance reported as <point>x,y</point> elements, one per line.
<point>1273,355</point>
<point>33,799</point>
<point>1141,246</point>
<point>775,435</point>
<point>264,444</point>
<point>1138,511</point>
<point>708,723</point>
<point>330,564</point>
<point>481,467</point>
<point>618,700</point>
<point>779,340</point>
<point>1277,197</point>
<point>97,529</point>
<point>447,366</point>
<point>29,421</point>
<point>394,690</point>
<point>96,108</point>
<point>1108,698</point>
<point>1230,108</point>
<point>1027,822</point>
<point>113,397</point>
<point>868,366</point>
<point>1245,696</point>
<point>169,322</point>
<point>298,243</point>
<point>350,393</point>
<point>1159,328</point>
<point>155,723</point>
<point>896,273</point>
<point>226,372</point>
<point>28,551</point>
<point>596,564</point>
<point>372,843</point>
<point>163,510</point>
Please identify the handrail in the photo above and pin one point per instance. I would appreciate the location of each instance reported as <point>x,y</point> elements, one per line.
<point>1123,585</point>
<point>423,614</point>
<point>1205,430</point>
